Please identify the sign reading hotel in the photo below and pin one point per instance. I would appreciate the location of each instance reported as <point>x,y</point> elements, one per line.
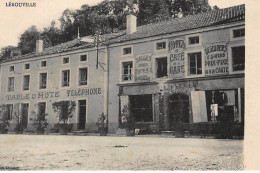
<point>216,59</point>
<point>176,50</point>
<point>143,67</point>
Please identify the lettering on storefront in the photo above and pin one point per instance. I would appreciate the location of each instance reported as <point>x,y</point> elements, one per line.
<point>54,94</point>
<point>181,87</point>
<point>143,67</point>
<point>176,49</point>
<point>216,61</point>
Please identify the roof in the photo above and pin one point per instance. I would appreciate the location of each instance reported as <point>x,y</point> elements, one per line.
<point>212,18</point>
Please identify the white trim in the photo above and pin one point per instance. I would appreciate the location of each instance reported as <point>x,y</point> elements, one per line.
<point>121,72</point>
<point>60,85</point>
<point>155,65</point>
<point>161,50</point>
<point>22,89</point>
<point>82,67</point>
<point>232,33</point>
<point>41,64</point>
<point>230,57</point>
<point>193,45</point>
<point>42,89</point>
<point>79,58</point>
<point>187,63</point>
<point>62,58</point>
<point>126,55</point>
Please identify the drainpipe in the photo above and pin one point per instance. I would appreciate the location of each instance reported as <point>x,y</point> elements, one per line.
<point>106,83</point>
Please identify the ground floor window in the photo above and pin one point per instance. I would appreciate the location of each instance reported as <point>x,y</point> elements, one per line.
<point>141,107</point>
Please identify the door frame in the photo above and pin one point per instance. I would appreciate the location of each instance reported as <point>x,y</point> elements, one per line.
<point>77,111</point>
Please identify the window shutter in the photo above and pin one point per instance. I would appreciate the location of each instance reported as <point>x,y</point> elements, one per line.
<point>199,110</point>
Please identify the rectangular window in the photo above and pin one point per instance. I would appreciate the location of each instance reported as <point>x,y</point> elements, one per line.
<point>65,78</point>
<point>239,33</point>
<point>83,58</point>
<point>26,66</point>
<point>10,84</point>
<point>42,109</point>
<point>66,60</point>
<point>238,58</point>
<point>160,45</point>
<point>161,67</point>
<point>43,64</point>
<point>9,110</point>
<point>11,68</point>
<point>194,40</point>
<point>43,80</point>
<point>127,68</point>
<point>83,76</point>
<point>127,51</point>
<point>26,82</point>
<point>195,63</point>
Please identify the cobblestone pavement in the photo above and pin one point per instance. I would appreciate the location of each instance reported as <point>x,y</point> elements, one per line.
<point>50,152</point>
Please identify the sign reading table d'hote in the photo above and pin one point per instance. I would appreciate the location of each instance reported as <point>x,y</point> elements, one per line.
<point>176,50</point>
<point>143,67</point>
<point>216,59</point>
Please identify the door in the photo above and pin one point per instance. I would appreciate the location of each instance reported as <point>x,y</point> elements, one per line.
<point>25,110</point>
<point>82,114</point>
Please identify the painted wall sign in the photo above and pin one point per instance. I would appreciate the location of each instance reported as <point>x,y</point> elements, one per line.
<point>54,94</point>
<point>181,87</point>
<point>216,60</point>
<point>143,68</point>
<point>176,50</point>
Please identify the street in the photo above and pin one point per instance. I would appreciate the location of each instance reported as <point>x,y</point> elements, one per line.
<point>55,152</point>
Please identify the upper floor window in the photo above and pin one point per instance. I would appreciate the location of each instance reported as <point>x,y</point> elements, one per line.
<point>11,68</point>
<point>83,76</point>
<point>10,84</point>
<point>83,58</point>
<point>238,58</point>
<point>65,81</point>
<point>43,80</point>
<point>66,60</point>
<point>194,40</point>
<point>161,64</point>
<point>160,45</point>
<point>239,33</point>
<point>43,63</point>
<point>26,66</point>
<point>194,63</point>
<point>9,109</point>
<point>127,71</point>
<point>127,50</point>
<point>26,82</point>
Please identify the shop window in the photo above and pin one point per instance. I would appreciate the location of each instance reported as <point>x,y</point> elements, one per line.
<point>194,40</point>
<point>26,66</point>
<point>83,58</point>
<point>10,84</point>
<point>42,108</point>
<point>161,46</point>
<point>9,109</point>
<point>65,78</point>
<point>43,80</point>
<point>83,76</point>
<point>141,108</point>
<point>195,63</point>
<point>238,58</point>
<point>11,68</point>
<point>239,33</point>
<point>43,63</point>
<point>161,64</point>
<point>26,82</point>
<point>66,60</point>
<point>127,68</point>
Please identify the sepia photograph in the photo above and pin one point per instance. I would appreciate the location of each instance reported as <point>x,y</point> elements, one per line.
<point>123,85</point>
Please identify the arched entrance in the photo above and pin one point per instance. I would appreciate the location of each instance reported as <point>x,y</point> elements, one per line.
<point>178,109</point>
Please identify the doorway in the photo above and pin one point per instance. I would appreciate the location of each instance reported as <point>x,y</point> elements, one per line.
<point>82,114</point>
<point>25,111</point>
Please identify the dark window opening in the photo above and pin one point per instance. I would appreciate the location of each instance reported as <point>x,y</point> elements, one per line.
<point>43,64</point>
<point>27,66</point>
<point>127,71</point>
<point>66,60</point>
<point>83,57</point>
<point>42,110</point>
<point>195,63</point>
<point>194,40</point>
<point>65,78</point>
<point>10,84</point>
<point>161,67</point>
<point>239,33</point>
<point>127,51</point>
<point>26,82</point>
<point>238,58</point>
<point>141,108</point>
<point>11,68</point>
<point>83,76</point>
<point>161,45</point>
<point>9,110</point>
<point>43,80</point>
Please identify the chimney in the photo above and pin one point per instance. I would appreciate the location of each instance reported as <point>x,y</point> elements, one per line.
<point>39,46</point>
<point>130,24</point>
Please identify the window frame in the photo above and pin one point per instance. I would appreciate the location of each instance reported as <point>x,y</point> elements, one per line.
<point>25,66</point>
<point>61,78</point>
<point>8,83</point>
<point>161,41</point>
<point>232,33</point>
<point>230,59</point>
<point>11,67</point>
<point>121,71</point>
<point>192,36</point>
<point>126,55</point>
<point>42,62</point>
<point>39,82</point>
<point>156,66</point>
<point>186,57</point>
<point>86,57</point>
<point>78,76</point>
<point>62,60</point>
<point>23,89</point>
